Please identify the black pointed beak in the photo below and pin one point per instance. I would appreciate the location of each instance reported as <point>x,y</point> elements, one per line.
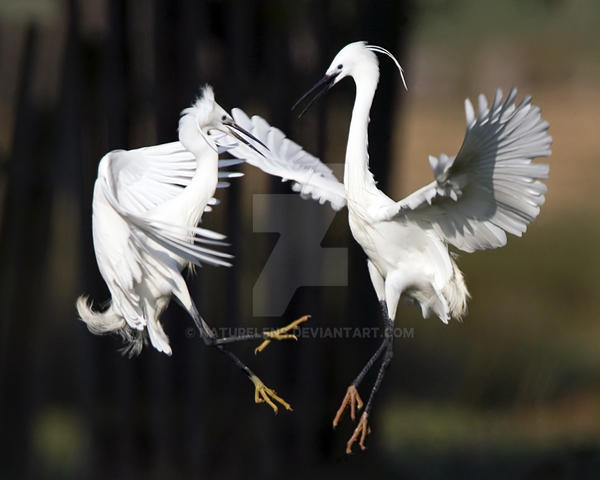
<point>234,128</point>
<point>319,89</point>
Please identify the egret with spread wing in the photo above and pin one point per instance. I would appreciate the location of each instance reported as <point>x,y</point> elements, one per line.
<point>490,188</point>
<point>147,204</point>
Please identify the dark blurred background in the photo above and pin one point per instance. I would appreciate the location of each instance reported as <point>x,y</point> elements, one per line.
<point>512,392</point>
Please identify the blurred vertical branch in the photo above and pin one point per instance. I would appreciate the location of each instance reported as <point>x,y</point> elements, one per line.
<point>18,256</point>
<point>388,26</point>
<point>312,365</point>
<point>117,98</point>
<point>237,36</point>
<point>195,20</point>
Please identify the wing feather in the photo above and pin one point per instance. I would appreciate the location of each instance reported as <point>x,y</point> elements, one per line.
<point>491,186</point>
<point>137,181</point>
<point>286,159</point>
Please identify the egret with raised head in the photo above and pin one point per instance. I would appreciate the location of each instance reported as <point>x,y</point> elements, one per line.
<point>147,205</point>
<point>490,188</point>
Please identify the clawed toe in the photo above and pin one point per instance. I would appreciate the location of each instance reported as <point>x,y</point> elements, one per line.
<point>281,333</point>
<point>351,399</point>
<point>360,433</point>
<point>263,394</point>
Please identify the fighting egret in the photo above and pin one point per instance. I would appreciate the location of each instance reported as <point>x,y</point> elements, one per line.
<point>490,188</point>
<point>147,204</point>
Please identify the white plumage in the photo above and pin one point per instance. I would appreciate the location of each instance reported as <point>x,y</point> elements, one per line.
<point>286,159</point>
<point>490,188</point>
<point>146,207</point>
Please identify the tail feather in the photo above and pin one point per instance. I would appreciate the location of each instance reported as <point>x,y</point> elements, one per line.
<point>133,339</point>
<point>99,323</point>
<point>456,294</point>
<point>108,321</point>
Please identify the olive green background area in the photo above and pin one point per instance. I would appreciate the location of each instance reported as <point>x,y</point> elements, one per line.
<point>512,391</point>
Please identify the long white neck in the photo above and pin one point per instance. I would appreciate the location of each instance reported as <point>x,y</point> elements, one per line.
<point>196,195</point>
<point>357,177</point>
<point>187,207</point>
<point>203,185</point>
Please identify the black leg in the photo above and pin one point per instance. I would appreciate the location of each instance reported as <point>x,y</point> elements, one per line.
<point>362,429</point>
<point>262,393</point>
<point>352,398</point>
<point>378,352</point>
<point>384,311</point>
<point>369,364</point>
<point>210,339</point>
<point>234,358</point>
<point>385,363</point>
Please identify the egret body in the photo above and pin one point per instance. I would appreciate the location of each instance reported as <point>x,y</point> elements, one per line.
<point>489,188</point>
<point>146,208</point>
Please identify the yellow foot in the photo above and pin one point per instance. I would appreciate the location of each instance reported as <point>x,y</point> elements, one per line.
<point>281,333</point>
<point>263,394</point>
<point>361,430</point>
<point>353,399</point>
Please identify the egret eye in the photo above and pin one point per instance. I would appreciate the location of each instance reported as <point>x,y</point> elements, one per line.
<point>223,118</point>
<point>340,66</point>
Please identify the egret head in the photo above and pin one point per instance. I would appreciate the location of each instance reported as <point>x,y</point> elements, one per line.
<point>206,116</point>
<point>356,60</point>
<point>351,60</point>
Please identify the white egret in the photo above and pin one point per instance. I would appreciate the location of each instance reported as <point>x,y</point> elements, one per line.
<point>147,204</point>
<point>490,188</point>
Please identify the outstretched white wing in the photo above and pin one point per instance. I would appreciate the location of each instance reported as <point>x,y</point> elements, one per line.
<point>286,159</point>
<point>491,187</point>
<point>134,182</point>
<point>144,178</point>
<point>148,176</point>
<point>130,185</point>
